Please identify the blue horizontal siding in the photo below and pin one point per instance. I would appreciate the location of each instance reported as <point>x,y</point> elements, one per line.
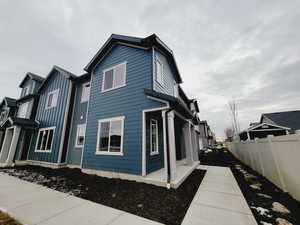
<point>51,117</point>
<point>128,101</point>
<point>79,117</point>
<point>168,75</point>
<point>155,162</point>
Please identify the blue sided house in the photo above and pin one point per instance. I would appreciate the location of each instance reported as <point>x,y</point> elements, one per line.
<point>126,117</point>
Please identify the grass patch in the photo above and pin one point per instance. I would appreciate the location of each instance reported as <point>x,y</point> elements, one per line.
<point>5,219</point>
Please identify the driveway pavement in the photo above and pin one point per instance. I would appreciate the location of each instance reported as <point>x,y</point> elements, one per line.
<point>33,204</point>
<point>219,201</point>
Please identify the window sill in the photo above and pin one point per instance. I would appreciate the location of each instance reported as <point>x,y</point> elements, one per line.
<point>45,151</point>
<point>78,146</point>
<point>84,101</point>
<point>154,153</point>
<point>109,153</point>
<point>103,91</point>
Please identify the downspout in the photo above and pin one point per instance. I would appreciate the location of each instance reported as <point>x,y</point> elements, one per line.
<point>168,152</point>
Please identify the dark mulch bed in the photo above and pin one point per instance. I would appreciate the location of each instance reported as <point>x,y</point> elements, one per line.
<point>149,201</point>
<point>239,170</point>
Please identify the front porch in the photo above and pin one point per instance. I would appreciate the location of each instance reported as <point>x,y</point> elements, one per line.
<point>16,140</point>
<point>183,170</point>
<point>177,144</point>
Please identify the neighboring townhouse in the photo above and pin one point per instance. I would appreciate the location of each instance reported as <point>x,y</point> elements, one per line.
<point>127,117</point>
<point>277,124</point>
<point>20,123</point>
<point>8,108</point>
<point>289,119</point>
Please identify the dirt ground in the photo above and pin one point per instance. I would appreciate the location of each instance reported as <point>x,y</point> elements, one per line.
<point>269,204</point>
<point>149,201</point>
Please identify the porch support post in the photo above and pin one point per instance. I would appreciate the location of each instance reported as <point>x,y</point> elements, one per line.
<point>248,136</point>
<point>13,146</point>
<point>188,143</point>
<point>195,148</point>
<point>163,114</point>
<point>5,148</point>
<point>172,145</point>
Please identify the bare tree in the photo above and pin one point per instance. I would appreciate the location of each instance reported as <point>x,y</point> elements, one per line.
<point>234,116</point>
<point>229,133</point>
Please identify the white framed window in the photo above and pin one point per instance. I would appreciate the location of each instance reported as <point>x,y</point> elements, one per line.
<point>52,99</point>
<point>153,137</point>
<point>176,91</point>
<point>114,77</point>
<point>110,136</point>
<point>45,139</point>
<point>159,71</point>
<point>22,111</point>
<point>86,87</point>
<point>80,135</point>
<point>25,91</point>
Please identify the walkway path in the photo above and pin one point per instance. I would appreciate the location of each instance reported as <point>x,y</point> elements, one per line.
<point>219,201</point>
<point>35,204</point>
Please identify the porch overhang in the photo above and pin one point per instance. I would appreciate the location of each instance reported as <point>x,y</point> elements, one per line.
<point>25,123</point>
<point>175,103</point>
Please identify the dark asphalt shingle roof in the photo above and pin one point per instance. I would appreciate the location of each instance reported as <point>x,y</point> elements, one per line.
<point>289,119</point>
<point>175,102</point>
<point>33,77</point>
<point>21,122</point>
<point>147,42</point>
<point>11,102</point>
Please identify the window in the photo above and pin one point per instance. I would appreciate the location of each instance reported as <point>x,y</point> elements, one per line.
<point>80,135</point>
<point>45,139</point>
<point>176,93</point>
<point>85,92</point>
<point>159,71</point>
<point>153,137</point>
<point>22,111</point>
<point>52,99</point>
<point>110,136</point>
<point>25,91</point>
<point>114,77</point>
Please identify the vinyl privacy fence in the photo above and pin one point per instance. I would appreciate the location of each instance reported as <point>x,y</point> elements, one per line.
<point>276,158</point>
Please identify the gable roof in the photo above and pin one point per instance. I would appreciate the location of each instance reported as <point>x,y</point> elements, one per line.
<point>11,102</point>
<point>289,119</point>
<point>32,76</point>
<point>146,42</point>
<point>67,74</point>
<point>20,121</point>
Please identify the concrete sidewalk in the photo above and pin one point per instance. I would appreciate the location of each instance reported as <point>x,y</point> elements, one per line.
<point>34,204</point>
<point>219,201</point>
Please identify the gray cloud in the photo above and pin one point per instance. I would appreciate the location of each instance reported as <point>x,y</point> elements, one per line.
<point>243,50</point>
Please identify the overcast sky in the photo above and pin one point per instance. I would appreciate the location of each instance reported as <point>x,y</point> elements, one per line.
<point>243,50</point>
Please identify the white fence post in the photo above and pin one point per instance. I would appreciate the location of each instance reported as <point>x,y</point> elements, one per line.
<point>274,154</point>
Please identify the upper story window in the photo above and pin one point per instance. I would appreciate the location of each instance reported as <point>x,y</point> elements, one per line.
<point>85,92</point>
<point>110,136</point>
<point>3,115</point>
<point>176,92</point>
<point>52,99</point>
<point>159,71</point>
<point>22,111</point>
<point>114,77</point>
<point>153,137</point>
<point>25,91</point>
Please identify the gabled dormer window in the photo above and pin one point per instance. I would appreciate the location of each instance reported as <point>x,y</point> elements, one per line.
<point>159,71</point>
<point>25,91</point>
<point>114,77</point>
<point>52,99</point>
